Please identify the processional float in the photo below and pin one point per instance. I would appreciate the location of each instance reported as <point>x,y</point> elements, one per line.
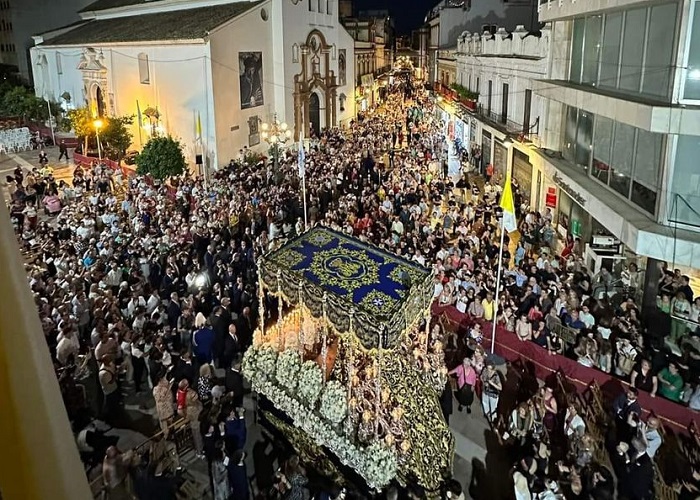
<point>351,360</point>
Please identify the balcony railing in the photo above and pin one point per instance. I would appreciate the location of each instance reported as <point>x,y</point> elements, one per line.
<point>380,71</point>
<point>496,120</point>
<point>180,433</point>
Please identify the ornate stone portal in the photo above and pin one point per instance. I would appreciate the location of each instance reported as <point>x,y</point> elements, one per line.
<point>314,88</point>
<point>95,83</point>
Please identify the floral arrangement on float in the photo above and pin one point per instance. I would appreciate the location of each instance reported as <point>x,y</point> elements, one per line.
<point>376,463</point>
<point>359,375</point>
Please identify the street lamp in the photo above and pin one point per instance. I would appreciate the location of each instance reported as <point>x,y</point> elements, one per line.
<point>276,134</point>
<point>98,125</point>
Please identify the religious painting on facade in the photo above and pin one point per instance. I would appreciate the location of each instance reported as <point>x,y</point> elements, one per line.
<point>342,67</point>
<point>251,78</point>
<point>253,132</point>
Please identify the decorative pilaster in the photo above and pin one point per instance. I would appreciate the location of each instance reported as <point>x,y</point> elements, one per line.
<point>261,298</point>
<point>300,309</point>
<point>280,336</point>
<point>324,339</point>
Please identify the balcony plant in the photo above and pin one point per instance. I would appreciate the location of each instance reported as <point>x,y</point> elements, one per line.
<point>466,97</point>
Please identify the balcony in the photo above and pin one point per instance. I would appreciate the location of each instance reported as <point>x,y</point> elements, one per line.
<point>382,71</point>
<point>496,120</point>
<point>447,55</point>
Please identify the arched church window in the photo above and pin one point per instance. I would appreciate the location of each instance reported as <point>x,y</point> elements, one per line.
<point>144,72</point>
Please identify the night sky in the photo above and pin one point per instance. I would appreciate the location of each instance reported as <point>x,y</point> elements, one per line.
<point>408,14</point>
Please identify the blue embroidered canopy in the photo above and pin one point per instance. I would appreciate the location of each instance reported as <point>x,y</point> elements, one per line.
<point>380,293</point>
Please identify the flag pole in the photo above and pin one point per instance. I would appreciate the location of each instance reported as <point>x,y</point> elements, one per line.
<point>301,159</point>
<point>498,286</point>
<point>53,137</point>
<point>303,193</point>
<point>140,120</point>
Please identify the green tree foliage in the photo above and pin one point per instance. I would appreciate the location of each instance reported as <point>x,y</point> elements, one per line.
<point>115,135</point>
<point>82,123</point>
<point>21,101</point>
<point>162,157</point>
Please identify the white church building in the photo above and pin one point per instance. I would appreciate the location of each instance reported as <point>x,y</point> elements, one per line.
<point>214,70</point>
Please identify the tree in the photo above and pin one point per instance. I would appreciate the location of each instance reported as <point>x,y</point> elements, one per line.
<point>115,135</point>
<point>161,157</point>
<point>82,122</point>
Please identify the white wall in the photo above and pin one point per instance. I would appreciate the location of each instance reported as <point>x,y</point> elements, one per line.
<point>298,22</point>
<point>202,78</point>
<point>178,98</point>
<point>247,33</point>
<point>519,62</point>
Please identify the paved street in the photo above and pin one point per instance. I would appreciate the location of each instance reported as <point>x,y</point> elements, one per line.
<point>62,171</point>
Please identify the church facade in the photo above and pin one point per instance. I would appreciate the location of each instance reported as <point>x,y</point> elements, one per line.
<point>208,72</point>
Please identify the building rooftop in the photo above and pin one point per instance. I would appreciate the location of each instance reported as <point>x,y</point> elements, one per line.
<point>189,24</point>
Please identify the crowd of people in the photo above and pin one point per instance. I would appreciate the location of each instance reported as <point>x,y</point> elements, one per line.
<point>145,286</point>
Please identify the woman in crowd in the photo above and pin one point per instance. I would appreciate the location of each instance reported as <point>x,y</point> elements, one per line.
<point>466,381</point>
<point>491,391</point>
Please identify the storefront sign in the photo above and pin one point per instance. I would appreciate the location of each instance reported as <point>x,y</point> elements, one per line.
<point>522,172</point>
<point>576,228</point>
<point>551,197</point>
<point>564,186</point>
<point>500,160</point>
<point>459,130</point>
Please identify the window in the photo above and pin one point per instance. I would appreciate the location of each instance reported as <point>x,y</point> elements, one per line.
<point>629,51</point>
<point>504,104</point>
<point>591,50</point>
<point>321,5</point>
<point>295,53</point>
<point>622,159</point>
<point>659,51</point>
<point>684,196</point>
<point>577,50</point>
<point>526,111</point>
<point>610,52</point>
<point>691,88</point>
<point>59,66</point>
<point>488,105</point>
<point>144,74</point>
<point>569,146</point>
<point>584,138</point>
<point>632,50</point>
<point>329,7</point>
<point>312,5</point>
<point>603,135</point>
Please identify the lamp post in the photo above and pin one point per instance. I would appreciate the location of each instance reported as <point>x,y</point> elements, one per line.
<point>98,125</point>
<point>276,134</point>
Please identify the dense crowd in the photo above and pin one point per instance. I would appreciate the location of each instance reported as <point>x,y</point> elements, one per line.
<point>144,286</point>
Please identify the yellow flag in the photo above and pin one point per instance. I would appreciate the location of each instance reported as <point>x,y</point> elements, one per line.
<point>509,222</point>
<point>199,126</point>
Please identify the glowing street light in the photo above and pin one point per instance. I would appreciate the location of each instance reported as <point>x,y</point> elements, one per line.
<point>276,134</point>
<point>98,125</point>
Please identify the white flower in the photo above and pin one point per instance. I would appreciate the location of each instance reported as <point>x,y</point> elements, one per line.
<point>310,383</point>
<point>288,366</point>
<point>334,403</point>
<point>259,364</point>
<point>375,463</point>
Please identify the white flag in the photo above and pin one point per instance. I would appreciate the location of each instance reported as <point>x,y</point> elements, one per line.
<point>300,159</point>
